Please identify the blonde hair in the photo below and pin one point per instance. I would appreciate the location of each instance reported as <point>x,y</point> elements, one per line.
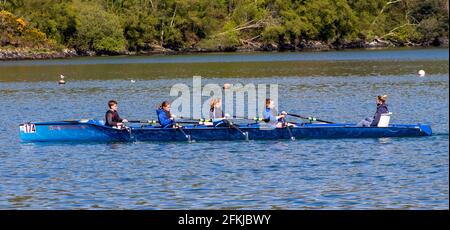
<point>213,103</point>
<point>382,98</point>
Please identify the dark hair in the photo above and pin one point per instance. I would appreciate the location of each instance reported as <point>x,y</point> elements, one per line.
<point>111,103</point>
<point>268,102</point>
<point>382,98</point>
<point>164,104</point>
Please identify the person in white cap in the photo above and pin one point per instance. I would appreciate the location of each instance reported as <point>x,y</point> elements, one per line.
<point>226,86</point>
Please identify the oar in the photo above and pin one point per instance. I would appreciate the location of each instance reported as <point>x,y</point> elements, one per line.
<point>288,129</point>
<point>245,134</point>
<point>156,122</point>
<point>189,122</point>
<point>310,118</point>
<point>188,137</point>
<point>250,119</point>
<point>144,121</point>
<point>194,120</point>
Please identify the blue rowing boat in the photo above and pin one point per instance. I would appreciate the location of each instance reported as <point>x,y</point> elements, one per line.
<point>93,130</point>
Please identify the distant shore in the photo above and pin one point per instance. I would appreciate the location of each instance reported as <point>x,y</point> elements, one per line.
<point>8,54</point>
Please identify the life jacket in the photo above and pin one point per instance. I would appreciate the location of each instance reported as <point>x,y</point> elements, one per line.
<point>167,115</point>
<point>114,117</point>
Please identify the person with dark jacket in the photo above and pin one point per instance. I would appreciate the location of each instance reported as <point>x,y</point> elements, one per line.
<point>165,118</point>
<point>382,107</point>
<point>112,117</point>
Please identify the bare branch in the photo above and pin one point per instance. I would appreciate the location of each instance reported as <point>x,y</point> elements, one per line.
<point>244,26</point>
<point>382,10</point>
<point>398,27</point>
<point>173,16</point>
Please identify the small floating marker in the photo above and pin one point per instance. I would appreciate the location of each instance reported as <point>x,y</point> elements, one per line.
<point>61,80</point>
<point>421,73</point>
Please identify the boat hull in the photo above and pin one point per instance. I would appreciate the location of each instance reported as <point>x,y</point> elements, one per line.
<point>94,131</point>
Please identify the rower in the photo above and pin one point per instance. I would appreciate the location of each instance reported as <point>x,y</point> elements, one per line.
<point>112,116</point>
<point>271,116</point>
<point>165,117</point>
<point>218,118</point>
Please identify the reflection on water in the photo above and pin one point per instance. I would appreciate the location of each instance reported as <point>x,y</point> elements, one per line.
<point>384,173</point>
<point>343,63</point>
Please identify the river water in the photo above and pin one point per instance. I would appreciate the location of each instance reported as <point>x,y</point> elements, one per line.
<point>386,173</point>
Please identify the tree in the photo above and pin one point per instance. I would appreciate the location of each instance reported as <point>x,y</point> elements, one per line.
<point>97,29</point>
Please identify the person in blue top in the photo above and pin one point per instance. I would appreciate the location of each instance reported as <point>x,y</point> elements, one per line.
<point>382,107</point>
<point>165,118</point>
<point>271,115</point>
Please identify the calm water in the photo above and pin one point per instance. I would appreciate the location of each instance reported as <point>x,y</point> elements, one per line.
<point>387,173</point>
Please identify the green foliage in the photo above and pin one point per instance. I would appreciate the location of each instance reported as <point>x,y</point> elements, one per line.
<point>97,30</point>
<point>17,32</point>
<point>55,18</point>
<point>114,26</point>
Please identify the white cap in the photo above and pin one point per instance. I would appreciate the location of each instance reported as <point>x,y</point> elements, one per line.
<point>226,86</point>
<point>421,73</point>
<point>62,76</point>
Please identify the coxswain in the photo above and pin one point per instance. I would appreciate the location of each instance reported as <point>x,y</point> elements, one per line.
<point>382,107</point>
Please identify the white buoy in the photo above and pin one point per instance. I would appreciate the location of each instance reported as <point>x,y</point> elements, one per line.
<point>421,73</point>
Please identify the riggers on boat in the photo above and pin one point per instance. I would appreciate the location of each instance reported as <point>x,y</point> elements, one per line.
<point>96,131</point>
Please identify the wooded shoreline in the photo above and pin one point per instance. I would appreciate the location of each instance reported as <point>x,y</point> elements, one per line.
<point>37,54</point>
<point>44,29</point>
